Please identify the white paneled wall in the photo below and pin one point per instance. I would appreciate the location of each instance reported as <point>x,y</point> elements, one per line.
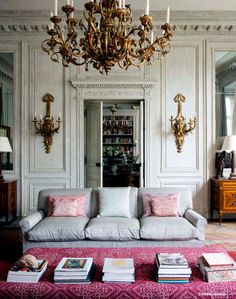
<point>188,69</point>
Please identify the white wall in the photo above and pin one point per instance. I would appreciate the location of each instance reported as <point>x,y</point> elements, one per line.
<point>188,69</point>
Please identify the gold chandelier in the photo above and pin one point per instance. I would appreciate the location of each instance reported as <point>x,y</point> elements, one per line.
<point>109,38</point>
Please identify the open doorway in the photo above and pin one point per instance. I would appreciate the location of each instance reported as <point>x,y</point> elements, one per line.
<point>114,143</point>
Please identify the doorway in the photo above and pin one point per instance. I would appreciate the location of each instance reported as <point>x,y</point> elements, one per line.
<point>114,143</point>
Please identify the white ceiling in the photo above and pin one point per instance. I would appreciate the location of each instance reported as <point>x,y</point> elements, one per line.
<point>135,4</point>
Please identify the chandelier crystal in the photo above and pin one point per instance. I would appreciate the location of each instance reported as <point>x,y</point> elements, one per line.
<point>108,36</point>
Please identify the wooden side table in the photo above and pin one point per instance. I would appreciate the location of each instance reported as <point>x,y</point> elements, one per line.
<point>8,199</point>
<point>223,196</point>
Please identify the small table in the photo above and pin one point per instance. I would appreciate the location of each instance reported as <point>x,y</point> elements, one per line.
<point>8,199</point>
<point>223,196</point>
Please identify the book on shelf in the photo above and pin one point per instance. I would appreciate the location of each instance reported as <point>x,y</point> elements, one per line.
<point>29,275</point>
<point>87,279</point>
<point>218,260</point>
<point>71,264</point>
<point>118,265</point>
<point>171,260</point>
<point>224,273</point>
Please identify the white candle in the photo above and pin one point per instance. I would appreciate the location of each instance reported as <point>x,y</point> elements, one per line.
<point>68,2</point>
<point>72,4</point>
<point>55,8</point>
<point>151,37</point>
<point>119,3</point>
<point>35,115</point>
<point>51,25</point>
<point>40,117</point>
<point>123,3</point>
<point>147,8</point>
<point>168,15</point>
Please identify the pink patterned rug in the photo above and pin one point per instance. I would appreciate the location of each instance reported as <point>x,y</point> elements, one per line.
<point>144,286</point>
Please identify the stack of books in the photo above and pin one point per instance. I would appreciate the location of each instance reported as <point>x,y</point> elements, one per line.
<point>172,268</point>
<point>74,270</point>
<point>120,270</point>
<point>216,267</point>
<point>27,274</point>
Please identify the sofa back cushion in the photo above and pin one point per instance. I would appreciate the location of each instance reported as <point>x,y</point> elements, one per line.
<point>44,194</point>
<point>185,200</point>
<point>133,201</point>
<point>66,205</point>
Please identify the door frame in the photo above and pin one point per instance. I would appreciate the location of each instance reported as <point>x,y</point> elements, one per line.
<point>116,91</point>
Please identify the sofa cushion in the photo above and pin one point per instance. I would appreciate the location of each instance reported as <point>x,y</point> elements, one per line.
<point>167,228</point>
<point>185,197</point>
<point>43,197</point>
<point>112,228</point>
<point>59,229</point>
<point>66,205</point>
<point>114,202</point>
<point>165,205</point>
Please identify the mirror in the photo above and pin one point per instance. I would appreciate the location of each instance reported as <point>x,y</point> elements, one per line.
<point>6,103</point>
<point>225,90</point>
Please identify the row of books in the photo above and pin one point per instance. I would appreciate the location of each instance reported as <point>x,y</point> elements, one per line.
<point>169,268</point>
<point>172,268</point>
<point>217,267</point>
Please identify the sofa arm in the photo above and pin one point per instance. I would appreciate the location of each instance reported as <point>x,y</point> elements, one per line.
<point>198,221</point>
<point>30,221</point>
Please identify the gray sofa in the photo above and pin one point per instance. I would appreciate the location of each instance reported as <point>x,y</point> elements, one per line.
<point>39,230</point>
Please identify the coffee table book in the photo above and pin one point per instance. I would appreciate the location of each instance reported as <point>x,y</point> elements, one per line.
<point>27,275</point>
<point>118,270</point>
<point>218,260</point>
<point>75,278</point>
<point>221,274</point>
<point>71,264</point>
<point>171,260</point>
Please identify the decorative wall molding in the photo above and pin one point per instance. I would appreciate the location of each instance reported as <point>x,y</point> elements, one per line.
<point>106,91</point>
<point>184,22</point>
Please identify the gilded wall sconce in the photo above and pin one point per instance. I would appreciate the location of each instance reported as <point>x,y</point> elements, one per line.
<point>179,126</point>
<point>46,126</point>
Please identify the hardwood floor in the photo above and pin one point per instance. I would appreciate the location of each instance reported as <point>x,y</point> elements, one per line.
<point>225,231</point>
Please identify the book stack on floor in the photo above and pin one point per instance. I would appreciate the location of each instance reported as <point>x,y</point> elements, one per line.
<point>27,274</point>
<point>74,270</point>
<point>172,268</point>
<point>216,267</point>
<point>120,270</point>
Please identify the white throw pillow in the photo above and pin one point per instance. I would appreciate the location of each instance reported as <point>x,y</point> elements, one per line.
<point>114,202</point>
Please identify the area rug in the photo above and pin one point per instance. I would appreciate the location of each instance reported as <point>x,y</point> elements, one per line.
<point>145,285</point>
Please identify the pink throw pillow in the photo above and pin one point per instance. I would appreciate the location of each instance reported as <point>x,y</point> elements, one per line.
<point>66,205</point>
<point>165,205</point>
<point>147,211</point>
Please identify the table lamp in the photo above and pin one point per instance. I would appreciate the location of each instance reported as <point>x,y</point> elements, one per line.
<point>229,144</point>
<point>4,147</point>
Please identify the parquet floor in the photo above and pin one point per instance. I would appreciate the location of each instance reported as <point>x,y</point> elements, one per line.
<point>226,231</point>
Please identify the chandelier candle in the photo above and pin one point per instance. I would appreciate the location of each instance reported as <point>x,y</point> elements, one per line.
<point>107,36</point>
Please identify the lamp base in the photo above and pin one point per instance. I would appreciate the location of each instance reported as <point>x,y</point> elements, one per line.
<point>232,176</point>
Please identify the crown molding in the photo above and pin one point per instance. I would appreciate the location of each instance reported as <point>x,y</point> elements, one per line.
<point>184,22</point>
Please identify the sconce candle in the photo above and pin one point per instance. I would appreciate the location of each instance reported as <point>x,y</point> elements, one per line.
<point>178,125</point>
<point>46,126</point>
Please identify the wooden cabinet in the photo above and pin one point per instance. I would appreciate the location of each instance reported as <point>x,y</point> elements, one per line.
<point>223,196</point>
<point>8,199</point>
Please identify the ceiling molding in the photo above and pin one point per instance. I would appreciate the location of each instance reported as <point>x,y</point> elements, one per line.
<point>184,22</point>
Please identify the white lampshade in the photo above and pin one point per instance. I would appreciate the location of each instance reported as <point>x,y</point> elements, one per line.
<point>229,143</point>
<point>5,145</point>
